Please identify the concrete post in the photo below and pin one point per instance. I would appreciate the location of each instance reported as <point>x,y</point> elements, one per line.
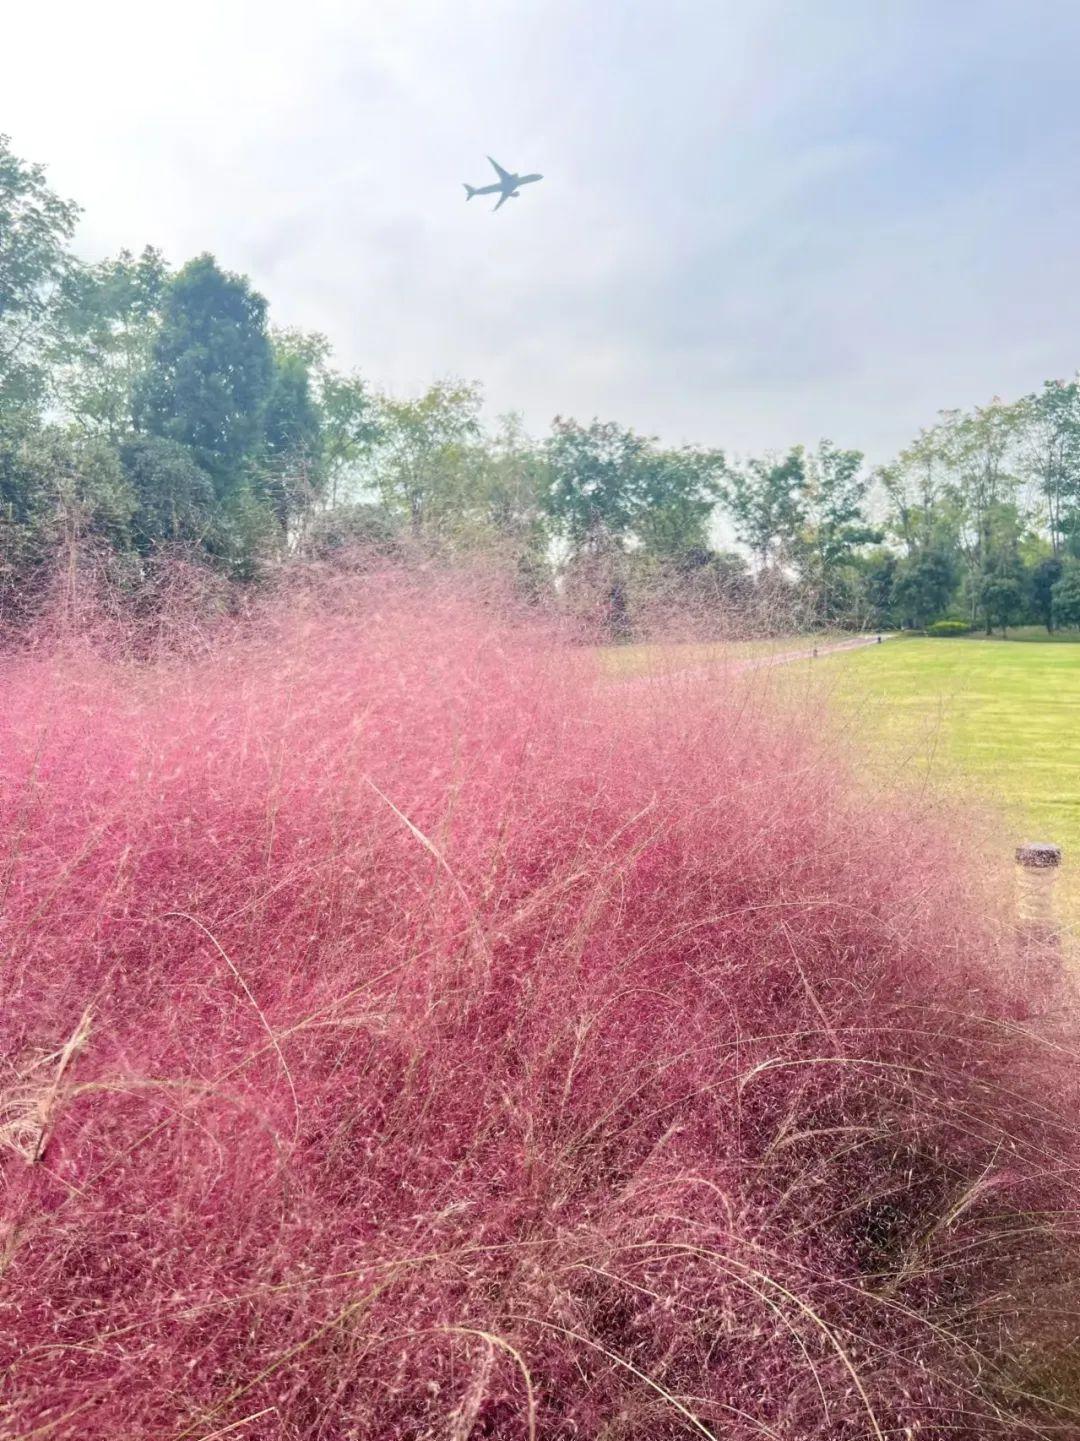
<point>1037,933</point>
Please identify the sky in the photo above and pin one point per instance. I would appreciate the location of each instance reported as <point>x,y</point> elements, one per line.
<point>760,222</point>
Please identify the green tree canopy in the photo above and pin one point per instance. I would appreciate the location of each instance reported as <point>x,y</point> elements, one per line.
<point>595,479</point>
<point>291,470</point>
<point>174,498</point>
<point>1066,595</point>
<point>419,461</point>
<point>108,320</point>
<point>35,228</point>
<point>211,371</point>
<point>766,499</point>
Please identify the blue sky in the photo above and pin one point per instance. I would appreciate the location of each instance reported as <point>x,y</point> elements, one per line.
<point>760,222</point>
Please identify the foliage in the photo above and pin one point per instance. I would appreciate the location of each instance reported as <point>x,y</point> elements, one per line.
<point>595,490</point>
<point>291,469</point>
<point>834,528</point>
<point>947,628</point>
<point>766,501</point>
<point>210,372</point>
<point>1051,453</point>
<point>35,227</point>
<point>1042,576</point>
<point>678,492</point>
<point>923,584</point>
<point>1065,596</point>
<point>109,317</point>
<point>174,498</point>
<point>421,457</point>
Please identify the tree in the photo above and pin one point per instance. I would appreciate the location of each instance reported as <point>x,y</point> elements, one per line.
<point>594,495</point>
<point>26,469</point>
<point>922,512</point>
<point>512,519</point>
<point>677,494</point>
<point>613,493</point>
<point>1044,575</point>
<point>108,318</point>
<point>174,498</point>
<point>291,470</point>
<point>923,586</point>
<point>1050,430</point>
<point>978,448</point>
<point>63,497</point>
<point>1066,595</point>
<point>419,461</point>
<point>211,371</point>
<point>35,228</point>
<point>766,501</point>
<point>351,425</point>
<point>878,571</point>
<point>834,527</point>
<point>1001,592</point>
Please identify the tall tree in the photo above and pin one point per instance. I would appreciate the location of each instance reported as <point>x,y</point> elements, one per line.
<point>980,448</point>
<point>211,371</point>
<point>922,512</point>
<point>1043,575</point>
<point>352,428</point>
<point>348,413</point>
<point>834,526</point>
<point>923,585</point>
<point>677,494</point>
<point>1050,447</point>
<point>291,470</point>
<point>766,499</point>
<point>1066,595</point>
<point>595,483</point>
<point>108,319</point>
<point>35,228</point>
<point>419,463</point>
<point>513,515</point>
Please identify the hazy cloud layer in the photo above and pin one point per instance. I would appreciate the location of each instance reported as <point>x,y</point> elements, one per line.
<point>760,222</point>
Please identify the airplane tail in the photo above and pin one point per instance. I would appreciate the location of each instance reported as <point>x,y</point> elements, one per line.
<point>470,191</point>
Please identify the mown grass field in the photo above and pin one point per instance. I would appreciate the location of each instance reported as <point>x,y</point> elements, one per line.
<point>1004,716</point>
<point>997,720</point>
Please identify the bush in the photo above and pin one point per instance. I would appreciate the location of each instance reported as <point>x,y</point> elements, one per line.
<point>948,627</point>
<point>408,1034</point>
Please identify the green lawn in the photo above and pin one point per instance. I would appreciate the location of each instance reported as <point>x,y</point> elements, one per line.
<point>1001,720</point>
<point>996,721</point>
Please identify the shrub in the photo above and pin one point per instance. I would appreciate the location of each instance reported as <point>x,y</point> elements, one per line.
<point>948,627</point>
<point>408,1034</point>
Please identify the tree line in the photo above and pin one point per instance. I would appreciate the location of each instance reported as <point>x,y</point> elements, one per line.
<point>149,412</point>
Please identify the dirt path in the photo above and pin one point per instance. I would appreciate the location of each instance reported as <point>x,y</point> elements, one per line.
<point>811,652</point>
<point>765,662</point>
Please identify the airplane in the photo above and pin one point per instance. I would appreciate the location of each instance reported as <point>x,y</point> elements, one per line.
<point>506,186</point>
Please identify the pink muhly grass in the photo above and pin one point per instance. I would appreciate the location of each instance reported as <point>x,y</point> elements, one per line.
<point>407,1032</point>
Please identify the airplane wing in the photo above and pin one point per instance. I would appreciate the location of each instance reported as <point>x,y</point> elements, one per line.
<point>503,198</point>
<point>503,175</point>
